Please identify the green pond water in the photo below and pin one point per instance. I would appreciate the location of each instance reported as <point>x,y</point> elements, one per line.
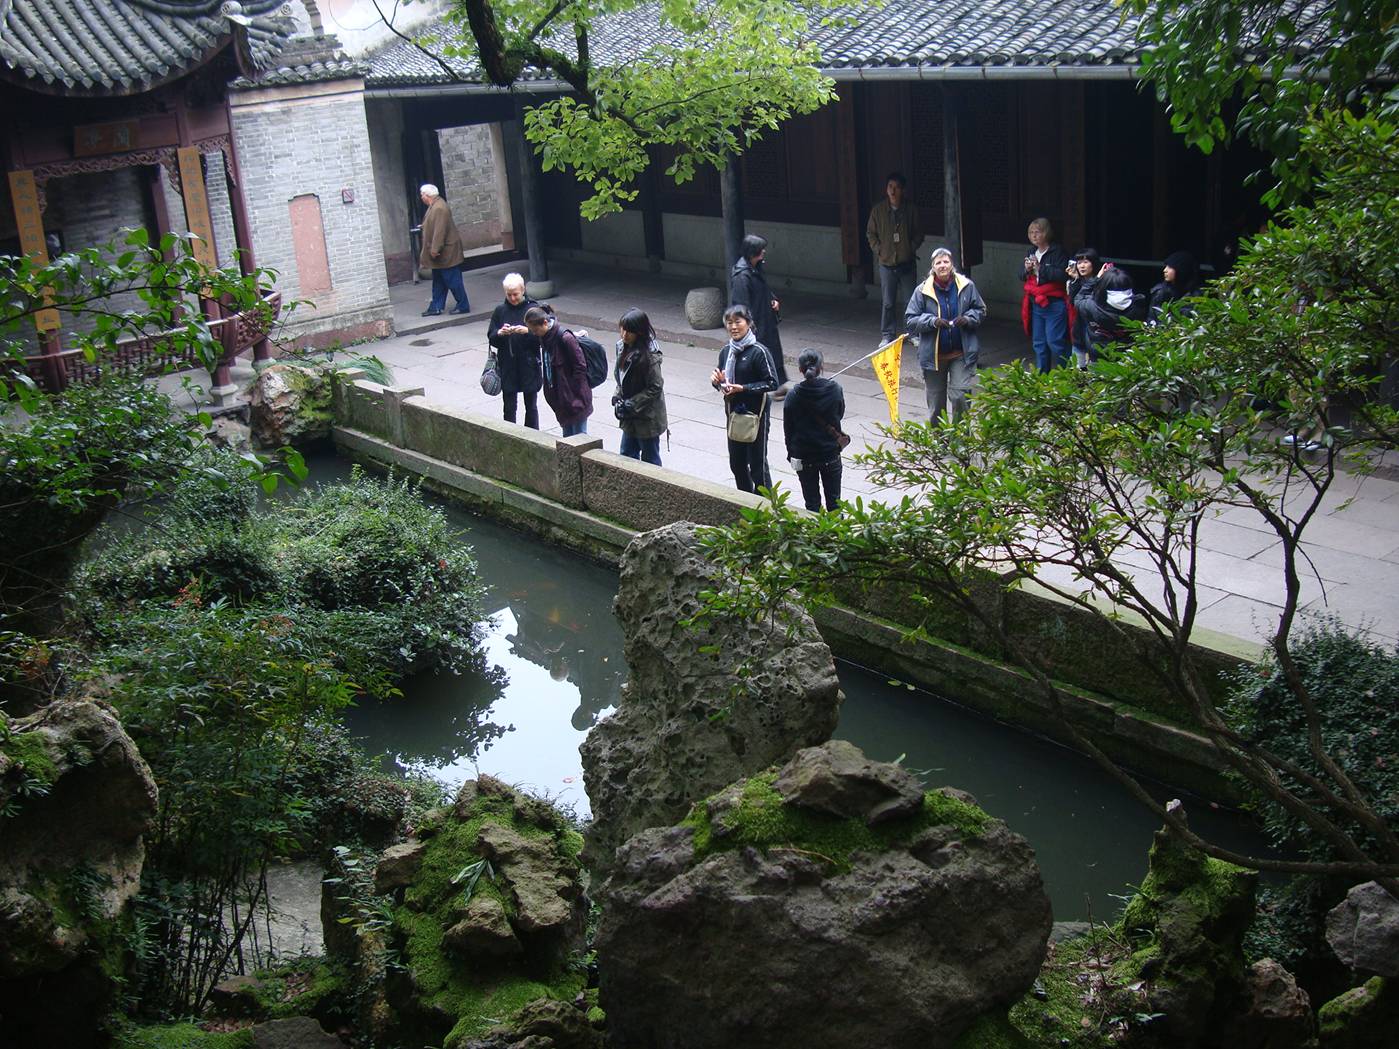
<point>558,650</point>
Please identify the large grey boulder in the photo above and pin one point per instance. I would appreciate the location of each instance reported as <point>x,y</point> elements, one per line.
<point>80,797</point>
<point>765,920</point>
<point>290,404</point>
<point>704,705</point>
<point>1363,930</point>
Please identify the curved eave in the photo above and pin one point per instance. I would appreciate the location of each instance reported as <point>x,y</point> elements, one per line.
<point>66,89</point>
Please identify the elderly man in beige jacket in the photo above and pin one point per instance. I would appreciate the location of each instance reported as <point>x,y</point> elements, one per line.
<point>442,252</point>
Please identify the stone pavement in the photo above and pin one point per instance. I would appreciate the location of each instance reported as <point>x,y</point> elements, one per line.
<point>1354,549</point>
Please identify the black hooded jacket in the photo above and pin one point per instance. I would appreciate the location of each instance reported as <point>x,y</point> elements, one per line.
<point>811,406</point>
<point>750,288</point>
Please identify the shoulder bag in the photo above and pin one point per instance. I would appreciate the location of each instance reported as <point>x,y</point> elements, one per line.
<point>744,426</point>
<point>490,377</point>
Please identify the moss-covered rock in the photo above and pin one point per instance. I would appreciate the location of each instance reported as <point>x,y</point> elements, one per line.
<point>179,1036</point>
<point>932,914</point>
<point>1365,1017</point>
<point>290,404</point>
<point>498,850</point>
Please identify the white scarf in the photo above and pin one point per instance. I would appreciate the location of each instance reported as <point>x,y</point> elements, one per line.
<point>734,348</point>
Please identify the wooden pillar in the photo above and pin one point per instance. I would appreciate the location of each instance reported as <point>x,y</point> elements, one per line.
<point>242,226</point>
<point>531,192</point>
<point>952,177</point>
<point>1162,142</point>
<point>847,170</point>
<point>652,221</point>
<point>29,221</point>
<point>731,202</point>
<point>1073,163</point>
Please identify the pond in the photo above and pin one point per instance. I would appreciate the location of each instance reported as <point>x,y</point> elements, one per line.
<point>560,649</point>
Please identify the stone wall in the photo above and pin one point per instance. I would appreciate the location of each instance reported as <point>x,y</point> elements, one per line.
<point>572,492</point>
<point>385,119</point>
<point>469,183</point>
<point>310,143</point>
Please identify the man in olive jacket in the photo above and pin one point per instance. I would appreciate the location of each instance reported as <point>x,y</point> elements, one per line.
<point>894,233</point>
<point>442,253</point>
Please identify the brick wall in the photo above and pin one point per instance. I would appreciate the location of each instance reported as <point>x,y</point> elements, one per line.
<point>470,187</point>
<point>90,210</point>
<point>313,139</point>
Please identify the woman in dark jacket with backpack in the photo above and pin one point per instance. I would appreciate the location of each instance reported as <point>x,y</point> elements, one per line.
<point>565,371</point>
<point>639,402</point>
<point>745,376</point>
<point>811,417</point>
<point>516,351</point>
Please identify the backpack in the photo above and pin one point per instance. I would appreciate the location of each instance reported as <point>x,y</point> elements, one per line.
<point>596,359</point>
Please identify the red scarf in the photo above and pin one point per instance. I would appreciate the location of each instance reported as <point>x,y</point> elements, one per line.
<point>1042,294</point>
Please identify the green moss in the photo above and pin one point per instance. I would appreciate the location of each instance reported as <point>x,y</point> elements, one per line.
<point>762,819</point>
<point>1361,1017</point>
<point>179,1036</point>
<point>992,1031</point>
<point>1057,1018</point>
<point>479,997</point>
<point>29,751</point>
<point>1186,880</point>
<point>298,989</point>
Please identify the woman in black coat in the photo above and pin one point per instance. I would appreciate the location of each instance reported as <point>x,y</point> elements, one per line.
<point>750,288</point>
<point>639,402</point>
<point>811,417</point>
<point>745,376</point>
<point>1180,278</point>
<point>516,351</point>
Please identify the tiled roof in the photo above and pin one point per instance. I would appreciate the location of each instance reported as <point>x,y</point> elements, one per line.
<point>306,60</point>
<point>121,46</point>
<point>900,34</point>
<point>906,35</point>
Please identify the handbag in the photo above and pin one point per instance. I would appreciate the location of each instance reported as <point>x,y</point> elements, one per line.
<point>490,377</point>
<point>842,438</point>
<point>744,426</point>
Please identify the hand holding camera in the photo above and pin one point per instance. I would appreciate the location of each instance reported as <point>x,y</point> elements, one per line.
<point>623,409</point>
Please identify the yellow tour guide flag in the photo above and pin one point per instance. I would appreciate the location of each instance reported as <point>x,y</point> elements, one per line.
<point>886,366</point>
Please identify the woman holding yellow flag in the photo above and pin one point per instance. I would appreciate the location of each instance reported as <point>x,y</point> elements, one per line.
<point>944,313</point>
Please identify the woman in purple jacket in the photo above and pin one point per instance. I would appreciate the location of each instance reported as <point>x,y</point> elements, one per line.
<point>565,371</point>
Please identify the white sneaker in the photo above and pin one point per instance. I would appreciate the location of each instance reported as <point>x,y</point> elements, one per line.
<point>1289,440</point>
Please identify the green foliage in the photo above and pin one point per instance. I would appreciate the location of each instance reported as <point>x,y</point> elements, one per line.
<point>723,73</point>
<point>365,570</point>
<point>27,769</point>
<point>1096,484</point>
<point>1272,65</point>
<point>763,820</point>
<point>165,279</point>
<point>1354,684</point>
<point>179,1036</point>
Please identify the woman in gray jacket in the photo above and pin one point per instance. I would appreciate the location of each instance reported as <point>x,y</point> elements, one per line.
<point>945,313</point>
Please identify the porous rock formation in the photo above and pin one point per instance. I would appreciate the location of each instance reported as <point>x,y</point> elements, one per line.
<point>289,404</point>
<point>828,903</point>
<point>1363,930</point>
<point>486,908</point>
<point>76,798</point>
<point>704,705</point>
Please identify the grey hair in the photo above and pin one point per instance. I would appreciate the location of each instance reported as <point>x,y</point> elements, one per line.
<point>942,251</point>
<point>428,190</point>
<point>513,280</point>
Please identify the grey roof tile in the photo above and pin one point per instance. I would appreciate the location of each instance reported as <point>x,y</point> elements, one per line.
<point>900,34</point>
<point>125,45</point>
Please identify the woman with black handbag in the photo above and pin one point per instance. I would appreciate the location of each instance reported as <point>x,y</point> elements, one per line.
<point>746,376</point>
<point>811,417</point>
<point>516,352</point>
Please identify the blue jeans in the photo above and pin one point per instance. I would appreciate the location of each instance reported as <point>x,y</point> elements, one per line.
<point>574,429</point>
<point>895,289</point>
<point>446,279</point>
<point>647,449</point>
<point>1049,329</point>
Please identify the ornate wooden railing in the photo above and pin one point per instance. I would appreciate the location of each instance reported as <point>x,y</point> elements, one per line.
<point>153,354</point>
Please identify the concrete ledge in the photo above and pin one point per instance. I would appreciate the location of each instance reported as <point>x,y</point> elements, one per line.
<point>646,497</point>
<point>489,447</point>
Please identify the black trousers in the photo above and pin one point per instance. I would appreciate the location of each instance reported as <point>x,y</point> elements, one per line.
<point>749,462</point>
<point>813,478</point>
<point>508,399</point>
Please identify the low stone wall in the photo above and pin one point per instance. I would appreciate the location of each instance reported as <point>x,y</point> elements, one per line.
<point>570,491</point>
